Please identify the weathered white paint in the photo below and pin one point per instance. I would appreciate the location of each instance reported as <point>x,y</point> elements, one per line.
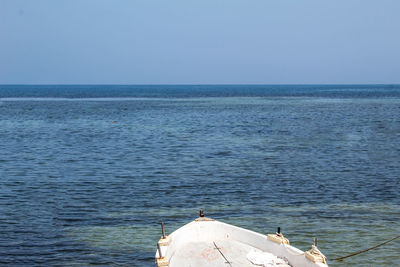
<point>193,245</point>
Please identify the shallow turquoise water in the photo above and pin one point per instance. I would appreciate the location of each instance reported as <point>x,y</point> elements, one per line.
<point>87,173</point>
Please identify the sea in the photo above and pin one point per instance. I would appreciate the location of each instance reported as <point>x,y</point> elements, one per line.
<point>88,172</point>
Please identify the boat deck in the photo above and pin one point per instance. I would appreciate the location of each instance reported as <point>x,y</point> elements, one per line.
<point>206,242</point>
<point>229,253</point>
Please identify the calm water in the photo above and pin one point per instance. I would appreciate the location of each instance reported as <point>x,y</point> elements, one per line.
<point>88,172</point>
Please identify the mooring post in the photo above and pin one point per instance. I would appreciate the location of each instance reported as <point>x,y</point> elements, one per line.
<point>162,230</point>
<point>201,214</point>
<point>159,251</point>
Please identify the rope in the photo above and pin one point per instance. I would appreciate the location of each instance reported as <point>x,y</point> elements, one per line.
<point>228,262</point>
<point>365,250</point>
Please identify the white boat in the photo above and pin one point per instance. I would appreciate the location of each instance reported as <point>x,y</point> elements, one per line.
<point>207,242</point>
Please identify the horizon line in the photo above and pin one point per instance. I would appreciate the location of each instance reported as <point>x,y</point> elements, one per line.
<point>186,84</point>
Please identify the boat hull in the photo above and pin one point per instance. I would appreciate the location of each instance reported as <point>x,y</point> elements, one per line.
<point>206,242</point>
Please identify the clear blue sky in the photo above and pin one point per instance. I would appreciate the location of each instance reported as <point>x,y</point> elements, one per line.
<point>203,41</point>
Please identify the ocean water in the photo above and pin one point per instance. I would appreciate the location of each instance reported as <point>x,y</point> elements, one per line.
<point>87,173</point>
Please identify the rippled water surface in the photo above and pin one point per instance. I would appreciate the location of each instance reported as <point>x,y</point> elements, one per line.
<point>88,172</point>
